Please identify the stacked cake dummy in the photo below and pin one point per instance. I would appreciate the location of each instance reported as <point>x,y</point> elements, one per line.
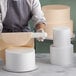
<point>19,55</point>
<point>61,51</point>
<point>19,59</point>
<point>57,15</point>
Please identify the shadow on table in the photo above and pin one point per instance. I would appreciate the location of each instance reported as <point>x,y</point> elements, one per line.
<point>74,60</point>
<point>43,58</point>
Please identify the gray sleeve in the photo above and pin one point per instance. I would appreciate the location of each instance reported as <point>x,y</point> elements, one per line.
<point>0,12</point>
<point>38,15</point>
<point>1,26</point>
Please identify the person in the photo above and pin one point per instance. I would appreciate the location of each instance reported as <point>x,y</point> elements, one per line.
<point>15,15</point>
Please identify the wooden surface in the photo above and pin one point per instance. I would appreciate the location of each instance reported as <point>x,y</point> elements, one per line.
<point>56,12</point>
<point>17,39</point>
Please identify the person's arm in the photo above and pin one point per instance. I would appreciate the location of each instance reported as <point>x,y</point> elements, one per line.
<point>1,26</point>
<point>38,18</point>
<point>0,11</point>
<point>38,15</point>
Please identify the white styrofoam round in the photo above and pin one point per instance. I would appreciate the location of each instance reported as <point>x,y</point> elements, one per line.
<point>61,36</point>
<point>61,55</point>
<point>20,59</point>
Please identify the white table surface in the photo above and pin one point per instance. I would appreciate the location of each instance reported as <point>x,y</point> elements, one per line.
<point>45,68</point>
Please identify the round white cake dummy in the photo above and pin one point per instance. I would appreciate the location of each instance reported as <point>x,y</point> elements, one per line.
<point>61,52</point>
<point>61,36</point>
<point>20,59</point>
<point>62,56</point>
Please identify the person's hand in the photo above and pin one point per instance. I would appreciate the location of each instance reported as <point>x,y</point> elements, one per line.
<point>40,27</point>
<point>41,38</point>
